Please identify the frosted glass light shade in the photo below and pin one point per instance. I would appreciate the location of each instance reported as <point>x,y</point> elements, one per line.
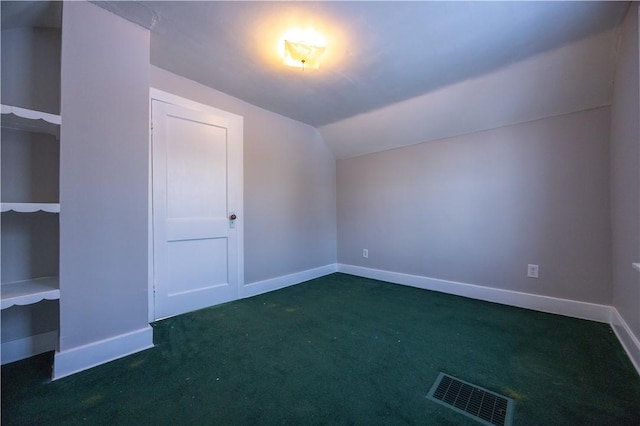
<point>302,55</point>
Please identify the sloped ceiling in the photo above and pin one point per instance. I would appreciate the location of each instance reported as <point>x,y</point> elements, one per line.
<point>379,54</point>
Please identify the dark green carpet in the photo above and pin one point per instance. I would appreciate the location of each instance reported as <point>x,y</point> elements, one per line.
<point>340,350</point>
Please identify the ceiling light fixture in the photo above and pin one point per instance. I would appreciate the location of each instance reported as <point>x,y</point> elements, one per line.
<point>303,48</point>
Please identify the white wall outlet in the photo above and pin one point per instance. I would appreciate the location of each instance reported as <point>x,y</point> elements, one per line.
<point>365,253</point>
<point>532,271</point>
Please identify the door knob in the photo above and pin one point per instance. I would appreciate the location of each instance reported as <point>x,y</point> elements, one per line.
<point>232,216</point>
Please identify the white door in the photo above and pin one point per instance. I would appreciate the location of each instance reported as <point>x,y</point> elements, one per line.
<point>195,203</point>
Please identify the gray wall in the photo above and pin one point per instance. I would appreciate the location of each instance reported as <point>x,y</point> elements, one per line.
<point>31,68</point>
<point>103,176</point>
<point>478,208</point>
<point>625,174</point>
<point>30,167</point>
<point>289,185</point>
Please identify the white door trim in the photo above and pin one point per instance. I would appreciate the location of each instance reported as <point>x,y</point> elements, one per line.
<point>236,125</point>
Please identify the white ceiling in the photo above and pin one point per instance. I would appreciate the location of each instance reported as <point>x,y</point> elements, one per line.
<point>394,73</point>
<point>379,53</point>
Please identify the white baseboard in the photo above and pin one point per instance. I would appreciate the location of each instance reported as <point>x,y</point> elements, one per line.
<point>571,308</point>
<point>628,340</point>
<point>84,357</point>
<point>15,350</point>
<point>566,307</point>
<point>259,287</point>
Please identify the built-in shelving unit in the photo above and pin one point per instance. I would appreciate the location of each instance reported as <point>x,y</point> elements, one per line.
<point>32,290</point>
<point>30,124</point>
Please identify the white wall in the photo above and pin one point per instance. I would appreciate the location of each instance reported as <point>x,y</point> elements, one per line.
<point>103,186</point>
<point>625,176</point>
<point>478,208</point>
<point>289,185</point>
<point>570,78</point>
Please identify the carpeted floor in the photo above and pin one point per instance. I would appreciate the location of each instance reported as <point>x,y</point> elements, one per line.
<point>340,350</point>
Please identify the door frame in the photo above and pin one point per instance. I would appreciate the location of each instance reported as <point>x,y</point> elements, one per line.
<point>236,137</point>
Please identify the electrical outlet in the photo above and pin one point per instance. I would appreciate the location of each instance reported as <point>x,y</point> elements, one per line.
<point>532,271</point>
<point>365,253</point>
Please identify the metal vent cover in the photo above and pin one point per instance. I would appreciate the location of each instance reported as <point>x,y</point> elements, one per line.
<point>482,405</point>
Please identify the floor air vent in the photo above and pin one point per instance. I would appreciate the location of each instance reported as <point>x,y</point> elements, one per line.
<point>485,406</point>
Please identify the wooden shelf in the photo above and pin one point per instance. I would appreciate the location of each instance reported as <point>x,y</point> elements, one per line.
<point>30,207</point>
<point>29,120</point>
<point>29,291</point>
